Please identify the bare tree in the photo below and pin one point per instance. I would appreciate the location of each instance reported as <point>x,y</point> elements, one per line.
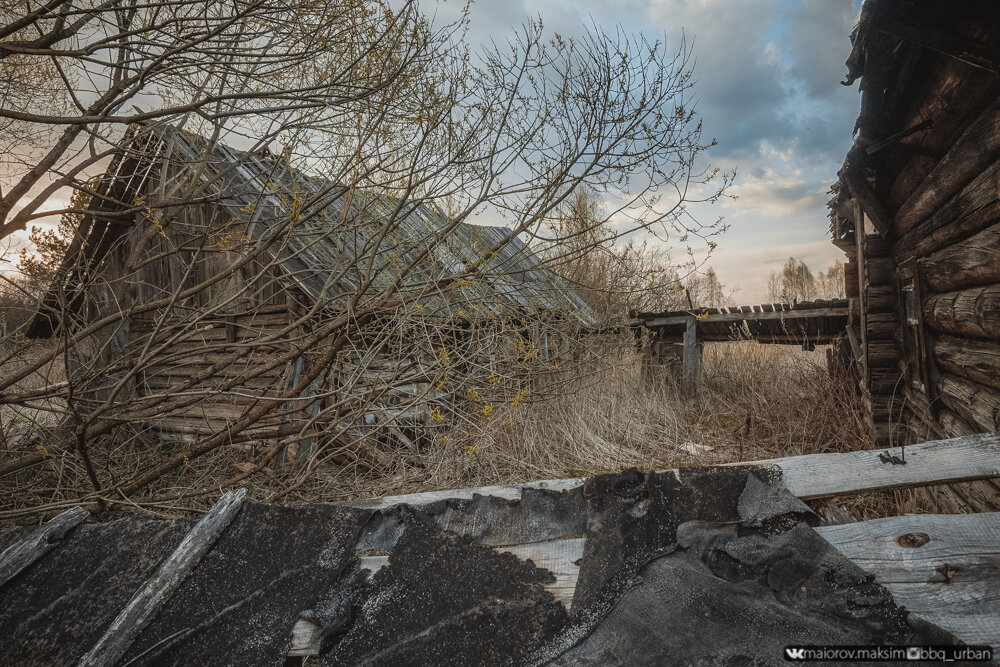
<point>831,283</point>
<point>795,282</point>
<point>275,262</point>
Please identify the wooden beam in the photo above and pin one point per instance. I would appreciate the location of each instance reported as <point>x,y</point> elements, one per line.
<point>937,462</point>
<point>862,191</point>
<point>690,356</point>
<point>943,568</point>
<point>734,318</point>
<point>810,476</point>
<point>18,556</point>
<point>148,600</point>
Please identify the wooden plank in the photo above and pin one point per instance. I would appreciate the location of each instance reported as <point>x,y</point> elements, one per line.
<point>975,456</point>
<point>943,568</point>
<point>19,556</point>
<point>936,462</point>
<point>560,557</point>
<point>779,315</point>
<point>146,602</point>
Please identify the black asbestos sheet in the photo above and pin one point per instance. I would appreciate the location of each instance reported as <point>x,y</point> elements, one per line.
<point>239,605</point>
<point>56,609</point>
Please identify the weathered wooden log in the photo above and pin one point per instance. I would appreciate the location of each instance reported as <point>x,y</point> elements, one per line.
<point>881,326</point>
<point>22,554</point>
<point>882,299</point>
<point>977,205</point>
<point>880,270</point>
<point>882,354</point>
<point>977,405</point>
<point>969,312</point>
<point>974,360</point>
<point>953,425</point>
<point>148,600</point>
<point>966,263</point>
<point>851,288</point>
<point>974,150</point>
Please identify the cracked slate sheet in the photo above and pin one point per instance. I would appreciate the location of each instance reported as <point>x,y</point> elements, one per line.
<point>711,565</point>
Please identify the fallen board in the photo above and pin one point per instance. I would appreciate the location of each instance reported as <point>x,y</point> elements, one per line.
<point>943,568</point>
<point>938,462</point>
<point>809,476</point>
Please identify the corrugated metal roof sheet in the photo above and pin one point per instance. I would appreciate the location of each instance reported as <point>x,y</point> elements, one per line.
<point>327,252</point>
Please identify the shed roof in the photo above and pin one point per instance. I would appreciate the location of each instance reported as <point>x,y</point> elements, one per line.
<point>462,269</point>
<point>511,277</point>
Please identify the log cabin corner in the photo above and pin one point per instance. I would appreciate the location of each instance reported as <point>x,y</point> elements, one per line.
<point>916,210</point>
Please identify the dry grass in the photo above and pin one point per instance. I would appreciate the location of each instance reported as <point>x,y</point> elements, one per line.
<point>754,402</point>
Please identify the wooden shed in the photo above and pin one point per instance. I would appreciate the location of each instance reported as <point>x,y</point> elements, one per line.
<point>917,211</point>
<point>221,274</point>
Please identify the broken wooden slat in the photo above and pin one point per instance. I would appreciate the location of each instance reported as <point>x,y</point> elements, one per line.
<point>146,602</point>
<point>936,462</point>
<point>18,556</point>
<point>507,491</point>
<point>942,568</point>
<point>561,558</point>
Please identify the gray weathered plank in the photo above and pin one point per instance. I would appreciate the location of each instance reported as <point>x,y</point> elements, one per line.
<point>809,476</point>
<point>936,462</point>
<point>146,602</point>
<point>506,491</point>
<point>18,556</point>
<point>943,568</point>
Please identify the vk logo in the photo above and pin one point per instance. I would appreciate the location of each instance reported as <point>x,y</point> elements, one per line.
<point>795,653</point>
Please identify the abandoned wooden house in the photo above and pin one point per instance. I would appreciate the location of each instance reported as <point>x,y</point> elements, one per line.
<point>917,212</point>
<point>217,271</point>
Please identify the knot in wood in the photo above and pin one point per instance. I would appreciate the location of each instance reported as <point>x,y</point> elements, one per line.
<point>913,540</point>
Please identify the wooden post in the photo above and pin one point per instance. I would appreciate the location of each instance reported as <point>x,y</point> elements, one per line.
<point>148,600</point>
<point>691,354</point>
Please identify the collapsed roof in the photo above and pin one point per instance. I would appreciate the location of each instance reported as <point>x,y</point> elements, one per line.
<point>459,269</point>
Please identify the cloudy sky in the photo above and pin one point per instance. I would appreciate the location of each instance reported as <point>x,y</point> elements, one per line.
<point>769,91</point>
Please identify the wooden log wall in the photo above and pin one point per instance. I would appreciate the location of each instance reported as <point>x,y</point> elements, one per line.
<point>950,226</point>
<point>879,324</point>
<point>926,172</point>
<point>184,367</point>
